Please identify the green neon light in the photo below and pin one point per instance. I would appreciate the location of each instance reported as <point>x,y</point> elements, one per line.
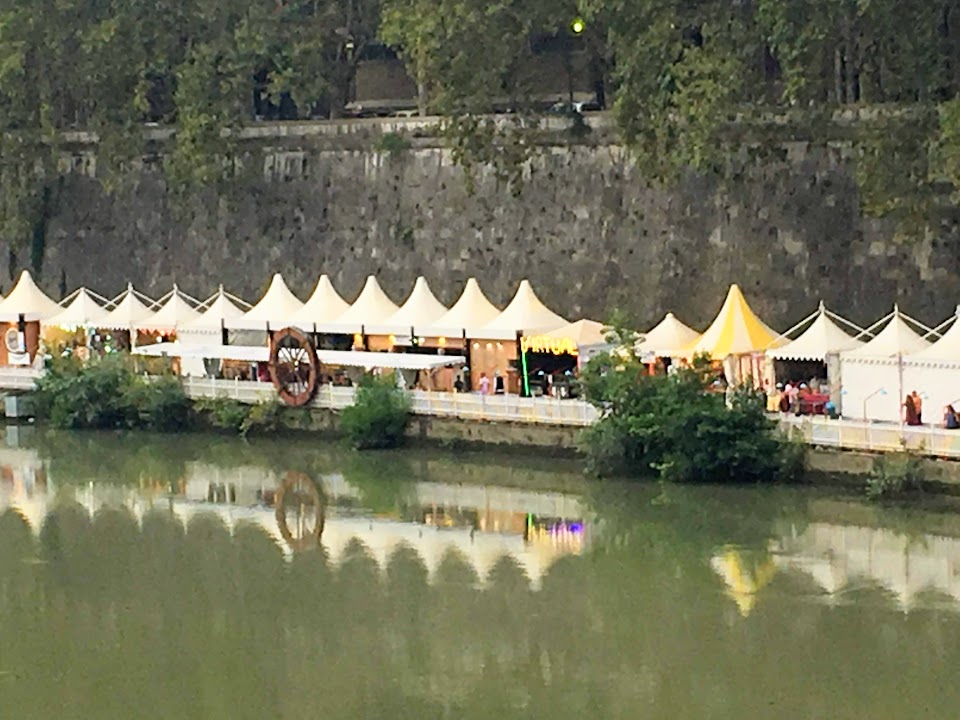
<point>526,380</point>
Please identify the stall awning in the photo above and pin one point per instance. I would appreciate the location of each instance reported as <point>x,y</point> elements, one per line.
<point>526,313</point>
<point>176,311</point>
<point>215,313</point>
<point>83,311</point>
<point>324,306</point>
<point>946,348</point>
<point>344,358</point>
<point>127,312</point>
<point>371,307</point>
<point>670,338</point>
<point>897,338</point>
<point>822,338</point>
<point>471,310</point>
<point>420,309</point>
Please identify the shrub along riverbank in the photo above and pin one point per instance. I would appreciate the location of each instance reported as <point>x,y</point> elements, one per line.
<point>110,394</point>
<point>676,427</point>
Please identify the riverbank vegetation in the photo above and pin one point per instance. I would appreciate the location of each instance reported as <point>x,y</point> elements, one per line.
<point>689,83</point>
<point>378,417</point>
<point>678,427</point>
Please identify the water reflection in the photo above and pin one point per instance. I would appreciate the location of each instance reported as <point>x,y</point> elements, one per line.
<point>238,589</point>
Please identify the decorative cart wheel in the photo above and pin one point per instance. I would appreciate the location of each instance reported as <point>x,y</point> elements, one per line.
<point>300,511</point>
<point>293,367</point>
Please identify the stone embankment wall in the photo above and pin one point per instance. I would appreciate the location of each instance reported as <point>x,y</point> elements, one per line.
<point>586,229</point>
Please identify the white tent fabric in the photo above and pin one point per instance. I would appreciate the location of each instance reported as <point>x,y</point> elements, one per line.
<point>127,312</point>
<point>823,337</point>
<point>190,351</point>
<point>28,300</point>
<point>583,333</point>
<point>174,314</point>
<point>82,311</point>
<point>323,306</point>
<point>947,348</point>
<point>525,313</point>
<point>471,310</point>
<point>371,307</point>
<point>670,338</point>
<point>274,310</point>
<point>420,309</point>
<point>219,310</point>
<point>897,338</point>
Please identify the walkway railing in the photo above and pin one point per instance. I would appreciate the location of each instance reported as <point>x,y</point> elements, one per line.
<point>19,378</point>
<point>503,408</point>
<point>876,437</point>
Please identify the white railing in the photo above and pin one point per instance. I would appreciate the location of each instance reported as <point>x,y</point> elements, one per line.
<point>242,390</point>
<point>876,437</point>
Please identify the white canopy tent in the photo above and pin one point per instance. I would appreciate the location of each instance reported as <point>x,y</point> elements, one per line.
<point>874,382</point>
<point>823,337</point>
<point>372,307</point>
<point>420,309</point>
<point>274,310</point>
<point>525,313</point>
<point>81,309</point>
<point>323,307</point>
<point>670,338</point>
<point>215,312</point>
<point>934,373</point>
<point>128,311</point>
<point>27,300</point>
<point>176,311</point>
<point>471,310</point>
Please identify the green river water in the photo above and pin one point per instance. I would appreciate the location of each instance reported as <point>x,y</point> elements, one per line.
<point>175,578</point>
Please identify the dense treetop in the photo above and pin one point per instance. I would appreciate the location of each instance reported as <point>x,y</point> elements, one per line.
<point>681,75</point>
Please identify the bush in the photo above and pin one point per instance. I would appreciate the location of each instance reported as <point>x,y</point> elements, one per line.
<point>109,394</point>
<point>379,416</point>
<point>236,417</point>
<point>895,474</point>
<point>674,427</point>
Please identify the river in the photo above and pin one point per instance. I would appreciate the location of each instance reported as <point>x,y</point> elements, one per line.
<point>198,577</point>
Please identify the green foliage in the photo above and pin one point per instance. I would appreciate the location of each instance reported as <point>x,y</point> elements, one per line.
<point>676,428</point>
<point>378,417</point>
<point>225,413</point>
<point>895,474</point>
<point>392,144</point>
<point>109,394</point>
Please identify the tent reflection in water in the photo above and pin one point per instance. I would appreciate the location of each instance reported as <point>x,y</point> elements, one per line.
<point>745,574</point>
<point>738,339</point>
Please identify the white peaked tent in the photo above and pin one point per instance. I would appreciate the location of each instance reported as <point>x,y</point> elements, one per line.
<point>372,307</point>
<point>175,312</point>
<point>471,310</point>
<point>83,310</point>
<point>934,373</point>
<point>525,314</point>
<point>215,311</point>
<point>821,338</point>
<point>874,376</point>
<point>28,300</point>
<point>128,310</point>
<point>897,338</point>
<point>670,338</point>
<point>421,309</point>
<point>323,307</point>
<point>274,310</point>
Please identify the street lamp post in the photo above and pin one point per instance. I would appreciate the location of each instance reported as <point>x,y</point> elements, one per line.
<point>868,398</point>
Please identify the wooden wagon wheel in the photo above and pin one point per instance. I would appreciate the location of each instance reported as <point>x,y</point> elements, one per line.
<point>293,367</point>
<point>299,502</point>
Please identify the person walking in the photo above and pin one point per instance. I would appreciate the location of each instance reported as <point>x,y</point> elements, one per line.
<point>484,384</point>
<point>918,404</point>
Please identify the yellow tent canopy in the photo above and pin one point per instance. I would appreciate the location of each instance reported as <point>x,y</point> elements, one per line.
<point>735,331</point>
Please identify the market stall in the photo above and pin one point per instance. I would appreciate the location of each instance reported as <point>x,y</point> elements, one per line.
<point>372,307</point>
<point>272,312</point>
<point>323,307</point>
<point>74,327</point>
<point>872,374</point>
<point>21,313</point>
<point>813,358</point>
<point>934,373</point>
<point>209,328</point>
<point>665,342</point>
<point>495,347</point>
<point>552,360</point>
<point>737,338</point>
<point>129,309</point>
